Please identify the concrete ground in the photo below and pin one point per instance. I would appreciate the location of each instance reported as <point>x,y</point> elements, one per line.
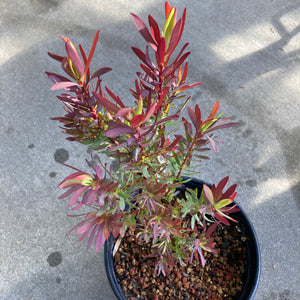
<point>246,53</point>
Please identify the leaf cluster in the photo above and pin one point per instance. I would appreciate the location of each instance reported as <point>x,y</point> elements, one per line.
<point>142,194</point>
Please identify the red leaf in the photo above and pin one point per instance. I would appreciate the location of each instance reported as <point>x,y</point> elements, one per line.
<point>84,60</point>
<point>185,72</point>
<point>178,35</point>
<point>181,51</point>
<point>106,103</point>
<point>140,54</point>
<point>214,111</point>
<point>136,120</point>
<point>174,143</point>
<point>193,118</point>
<point>150,112</point>
<point>116,98</point>
<point>56,57</point>
<point>229,192</point>
<point>181,60</point>
<point>100,72</point>
<point>161,51</point>
<point>188,128</point>
<point>175,37</point>
<point>140,25</point>
<point>162,97</point>
<point>220,186</point>
<point>198,111</point>
<point>167,9</point>
<point>149,72</point>
<point>90,55</point>
<point>154,28</point>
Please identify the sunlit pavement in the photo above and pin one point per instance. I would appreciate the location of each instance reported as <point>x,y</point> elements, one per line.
<point>246,53</point>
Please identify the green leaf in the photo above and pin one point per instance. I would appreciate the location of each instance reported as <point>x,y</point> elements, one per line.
<point>122,203</point>
<point>97,142</point>
<point>132,220</point>
<point>168,27</point>
<point>145,171</point>
<point>193,222</point>
<point>223,203</point>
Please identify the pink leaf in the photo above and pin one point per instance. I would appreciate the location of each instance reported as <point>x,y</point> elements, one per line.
<point>76,195</point>
<point>213,144</point>
<point>68,192</point>
<point>92,237</point>
<point>118,131</point>
<point>79,224</point>
<point>74,57</point>
<point>63,85</point>
<point>208,194</point>
<point>123,112</point>
<point>100,238</point>
<point>57,78</point>
<point>85,228</point>
<point>99,172</point>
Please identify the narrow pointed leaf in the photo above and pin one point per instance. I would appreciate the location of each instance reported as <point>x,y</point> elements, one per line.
<point>100,72</point>
<point>73,55</point>
<point>214,111</point>
<point>161,50</point>
<point>213,144</point>
<point>63,85</point>
<point>106,103</point>
<point>118,131</point>
<point>154,28</point>
<point>56,57</point>
<point>222,203</point>
<point>208,194</point>
<point>193,118</point>
<point>141,27</point>
<point>87,65</point>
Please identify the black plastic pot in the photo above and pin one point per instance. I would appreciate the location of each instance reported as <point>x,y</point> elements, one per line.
<point>252,246</point>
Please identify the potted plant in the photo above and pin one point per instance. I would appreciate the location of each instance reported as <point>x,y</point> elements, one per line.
<point>172,224</point>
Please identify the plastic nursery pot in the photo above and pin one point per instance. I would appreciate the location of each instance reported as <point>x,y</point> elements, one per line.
<point>252,248</point>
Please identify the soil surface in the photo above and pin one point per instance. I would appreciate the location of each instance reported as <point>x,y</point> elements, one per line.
<point>221,278</point>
